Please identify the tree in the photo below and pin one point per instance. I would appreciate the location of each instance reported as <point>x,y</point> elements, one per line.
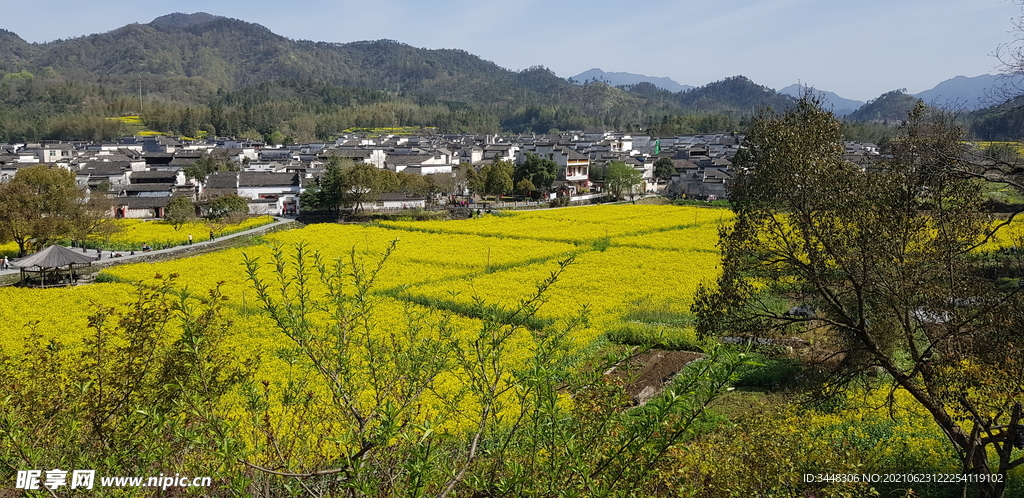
<point>208,164</point>
<point>538,171</point>
<point>189,123</point>
<point>888,264</point>
<point>362,183</point>
<point>348,184</point>
<point>499,178</point>
<point>229,207</point>
<point>622,178</point>
<point>441,183</point>
<point>325,192</point>
<point>1011,57</point>
<point>664,169</point>
<point>38,203</point>
<point>93,217</point>
<point>493,179</point>
<point>525,186</point>
<point>413,184</point>
<point>180,211</point>
<point>476,181</point>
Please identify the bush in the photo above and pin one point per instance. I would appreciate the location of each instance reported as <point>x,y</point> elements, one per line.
<point>769,374</point>
<point>104,277</point>
<point>142,393</point>
<point>559,202</point>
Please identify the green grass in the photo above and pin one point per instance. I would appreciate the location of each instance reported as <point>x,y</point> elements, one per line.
<point>1002,193</point>
<point>104,277</point>
<point>644,334</point>
<point>770,374</point>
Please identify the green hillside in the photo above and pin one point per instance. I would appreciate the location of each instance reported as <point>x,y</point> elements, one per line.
<point>238,77</point>
<point>890,108</point>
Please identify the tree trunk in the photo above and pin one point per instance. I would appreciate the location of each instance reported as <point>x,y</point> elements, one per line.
<point>970,444</point>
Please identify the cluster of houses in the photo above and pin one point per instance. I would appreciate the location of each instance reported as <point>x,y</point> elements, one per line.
<point>142,174</point>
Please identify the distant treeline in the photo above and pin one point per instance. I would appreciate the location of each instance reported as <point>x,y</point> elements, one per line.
<point>51,107</point>
<point>231,77</point>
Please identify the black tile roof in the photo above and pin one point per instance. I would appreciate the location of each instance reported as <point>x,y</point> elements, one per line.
<point>258,179</point>
<point>222,179</point>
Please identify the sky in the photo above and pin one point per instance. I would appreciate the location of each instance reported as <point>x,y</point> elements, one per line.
<point>857,49</point>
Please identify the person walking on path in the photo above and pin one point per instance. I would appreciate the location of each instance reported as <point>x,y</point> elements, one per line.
<point>211,235</point>
<point>189,239</point>
<point>6,264</point>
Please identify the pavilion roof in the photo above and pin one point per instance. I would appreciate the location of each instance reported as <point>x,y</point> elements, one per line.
<point>55,256</point>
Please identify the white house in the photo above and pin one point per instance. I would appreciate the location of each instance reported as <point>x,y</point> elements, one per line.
<point>281,188</point>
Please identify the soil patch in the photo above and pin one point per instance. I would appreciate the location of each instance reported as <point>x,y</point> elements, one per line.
<point>648,373</point>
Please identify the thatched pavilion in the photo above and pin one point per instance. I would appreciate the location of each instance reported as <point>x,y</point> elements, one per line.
<point>54,266</point>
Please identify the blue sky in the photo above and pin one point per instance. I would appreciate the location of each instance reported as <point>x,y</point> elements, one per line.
<point>858,49</point>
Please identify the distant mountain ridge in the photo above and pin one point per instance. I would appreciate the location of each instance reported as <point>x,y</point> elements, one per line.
<point>839,105</point>
<point>180,20</point>
<point>211,53</point>
<point>620,78</point>
<point>230,71</point>
<point>962,92</point>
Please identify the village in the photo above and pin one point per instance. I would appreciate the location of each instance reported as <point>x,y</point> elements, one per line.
<point>142,174</point>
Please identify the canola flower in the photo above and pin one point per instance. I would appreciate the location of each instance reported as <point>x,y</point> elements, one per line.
<point>857,433</point>
<point>9,249</point>
<point>135,233</point>
<point>575,225</point>
<point>437,269</point>
<point>59,314</point>
<point>643,257</point>
<point>651,257</point>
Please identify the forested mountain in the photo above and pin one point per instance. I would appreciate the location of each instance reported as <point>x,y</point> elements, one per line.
<point>998,123</point>
<point>228,54</point>
<point>203,72</point>
<point>889,108</point>
<point>872,120</point>
<point>733,95</point>
<point>182,20</point>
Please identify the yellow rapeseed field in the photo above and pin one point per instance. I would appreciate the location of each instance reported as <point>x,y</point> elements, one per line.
<point>630,263</point>
<point>156,233</point>
<point>498,259</point>
<point>134,233</point>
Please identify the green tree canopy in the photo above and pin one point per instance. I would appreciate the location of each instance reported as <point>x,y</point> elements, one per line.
<point>208,164</point>
<point>493,179</point>
<point>476,180</point>
<point>887,263</point>
<point>525,187</point>
<point>348,184</point>
<point>180,211</point>
<point>621,179</point>
<point>664,169</point>
<point>39,203</point>
<point>325,192</point>
<point>228,206</point>
<point>499,178</point>
<point>540,172</point>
